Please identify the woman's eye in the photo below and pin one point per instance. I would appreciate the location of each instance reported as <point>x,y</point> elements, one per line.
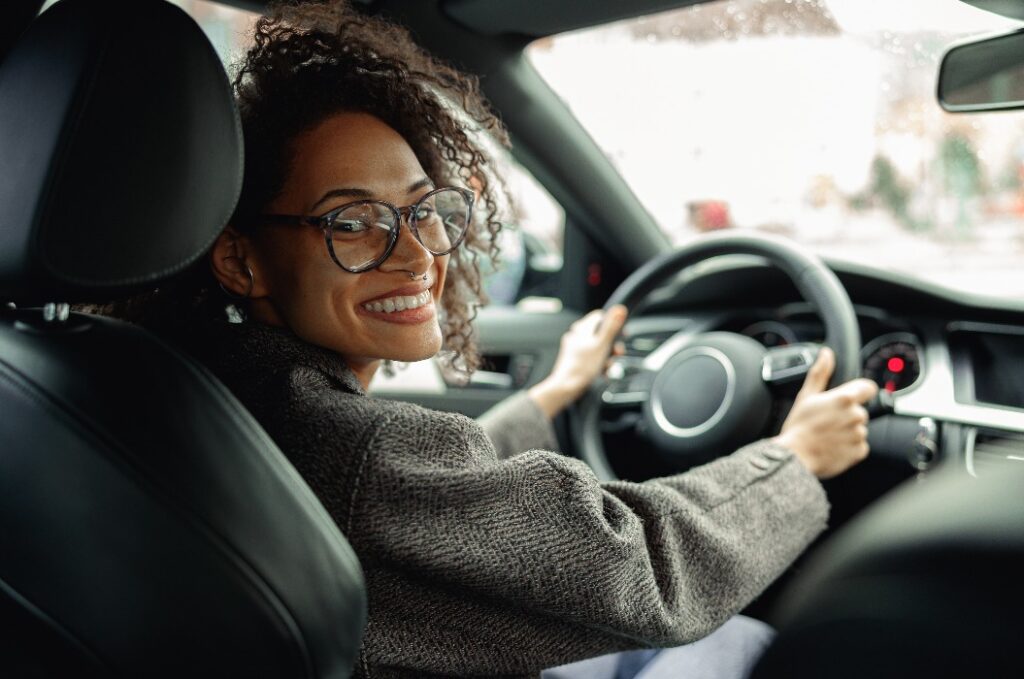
<point>424,212</point>
<point>350,226</point>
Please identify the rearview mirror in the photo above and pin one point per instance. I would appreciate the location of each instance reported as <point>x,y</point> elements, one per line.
<point>986,75</point>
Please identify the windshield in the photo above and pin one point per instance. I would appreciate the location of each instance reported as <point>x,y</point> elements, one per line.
<point>814,119</point>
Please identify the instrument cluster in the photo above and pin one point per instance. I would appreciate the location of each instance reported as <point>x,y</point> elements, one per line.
<point>892,359</point>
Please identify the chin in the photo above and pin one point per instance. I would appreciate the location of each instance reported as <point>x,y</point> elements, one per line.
<point>409,354</point>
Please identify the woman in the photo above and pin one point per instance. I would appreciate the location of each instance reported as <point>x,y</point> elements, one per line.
<point>366,199</point>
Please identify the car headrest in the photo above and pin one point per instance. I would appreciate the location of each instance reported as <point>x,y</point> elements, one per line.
<point>120,151</point>
<point>17,16</point>
<point>925,583</point>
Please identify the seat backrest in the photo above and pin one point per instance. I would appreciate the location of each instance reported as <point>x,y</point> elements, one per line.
<point>148,525</point>
<point>927,583</point>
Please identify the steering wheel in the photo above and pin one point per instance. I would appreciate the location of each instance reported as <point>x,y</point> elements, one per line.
<point>706,394</point>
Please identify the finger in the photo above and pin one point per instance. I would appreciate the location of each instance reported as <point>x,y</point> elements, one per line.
<point>819,374</point>
<point>860,415</point>
<point>586,324</point>
<point>863,449</point>
<point>591,322</point>
<point>619,349</point>
<point>612,323</point>
<point>860,390</point>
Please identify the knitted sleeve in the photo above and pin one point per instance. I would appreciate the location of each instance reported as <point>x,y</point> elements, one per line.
<point>608,565</point>
<point>516,425</point>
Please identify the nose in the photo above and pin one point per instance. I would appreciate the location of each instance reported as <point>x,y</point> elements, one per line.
<point>409,254</point>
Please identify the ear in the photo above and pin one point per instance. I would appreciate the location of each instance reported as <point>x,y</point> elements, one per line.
<point>232,267</point>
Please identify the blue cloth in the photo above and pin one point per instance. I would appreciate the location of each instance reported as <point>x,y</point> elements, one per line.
<point>631,662</point>
<point>730,652</point>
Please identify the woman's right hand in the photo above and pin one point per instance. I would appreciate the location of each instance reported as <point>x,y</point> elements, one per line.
<point>828,430</point>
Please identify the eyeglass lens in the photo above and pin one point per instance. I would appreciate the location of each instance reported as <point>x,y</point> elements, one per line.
<point>362,232</point>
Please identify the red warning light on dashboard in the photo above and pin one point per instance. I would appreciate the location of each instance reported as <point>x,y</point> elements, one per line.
<point>896,364</point>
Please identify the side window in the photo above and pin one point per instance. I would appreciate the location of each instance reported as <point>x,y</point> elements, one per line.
<point>532,242</point>
<point>228,28</point>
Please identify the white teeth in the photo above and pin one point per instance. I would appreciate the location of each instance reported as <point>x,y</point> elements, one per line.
<point>399,303</point>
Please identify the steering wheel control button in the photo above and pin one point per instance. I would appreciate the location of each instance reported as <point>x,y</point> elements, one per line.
<point>630,388</point>
<point>616,371</point>
<point>788,363</point>
<point>624,398</point>
<point>710,381</point>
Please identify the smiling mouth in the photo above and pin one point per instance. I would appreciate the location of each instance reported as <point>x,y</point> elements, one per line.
<point>399,303</point>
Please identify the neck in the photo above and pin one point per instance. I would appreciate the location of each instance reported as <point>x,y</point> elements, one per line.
<point>261,310</point>
<point>364,370</point>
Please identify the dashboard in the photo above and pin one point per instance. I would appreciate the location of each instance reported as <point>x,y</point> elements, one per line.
<point>891,356</point>
<point>953,363</point>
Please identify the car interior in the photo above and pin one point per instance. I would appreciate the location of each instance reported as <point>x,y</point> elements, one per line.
<point>151,528</point>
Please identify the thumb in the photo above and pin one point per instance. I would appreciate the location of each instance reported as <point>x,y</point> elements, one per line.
<point>819,374</point>
<point>612,323</point>
<point>860,390</point>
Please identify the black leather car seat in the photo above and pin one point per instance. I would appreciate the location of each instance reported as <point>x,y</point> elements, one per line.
<point>927,583</point>
<point>148,526</point>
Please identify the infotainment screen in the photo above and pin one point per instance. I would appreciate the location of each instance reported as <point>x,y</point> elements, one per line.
<point>990,363</point>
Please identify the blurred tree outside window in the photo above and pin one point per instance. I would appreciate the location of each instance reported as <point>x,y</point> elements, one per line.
<point>815,119</point>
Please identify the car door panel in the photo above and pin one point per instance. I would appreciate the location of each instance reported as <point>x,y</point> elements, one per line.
<point>518,347</point>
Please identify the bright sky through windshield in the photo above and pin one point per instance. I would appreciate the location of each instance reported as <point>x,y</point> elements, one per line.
<point>866,16</point>
<point>817,120</point>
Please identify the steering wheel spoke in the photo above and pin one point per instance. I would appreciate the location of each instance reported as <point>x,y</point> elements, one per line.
<point>786,367</point>
<point>628,385</point>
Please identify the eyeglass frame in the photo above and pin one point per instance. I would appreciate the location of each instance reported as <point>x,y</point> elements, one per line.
<point>325,223</point>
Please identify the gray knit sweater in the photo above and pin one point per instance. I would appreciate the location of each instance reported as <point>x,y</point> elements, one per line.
<point>486,554</point>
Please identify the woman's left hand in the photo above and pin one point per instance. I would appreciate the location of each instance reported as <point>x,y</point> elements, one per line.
<point>582,357</point>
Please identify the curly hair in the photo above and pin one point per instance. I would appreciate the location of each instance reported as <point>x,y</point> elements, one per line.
<point>312,60</point>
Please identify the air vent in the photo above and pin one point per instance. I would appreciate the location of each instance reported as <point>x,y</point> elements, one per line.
<point>991,451</point>
<point>644,343</point>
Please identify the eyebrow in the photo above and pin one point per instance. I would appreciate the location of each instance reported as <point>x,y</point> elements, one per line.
<point>365,194</point>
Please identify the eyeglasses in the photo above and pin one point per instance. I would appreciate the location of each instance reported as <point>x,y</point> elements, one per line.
<point>361,235</point>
